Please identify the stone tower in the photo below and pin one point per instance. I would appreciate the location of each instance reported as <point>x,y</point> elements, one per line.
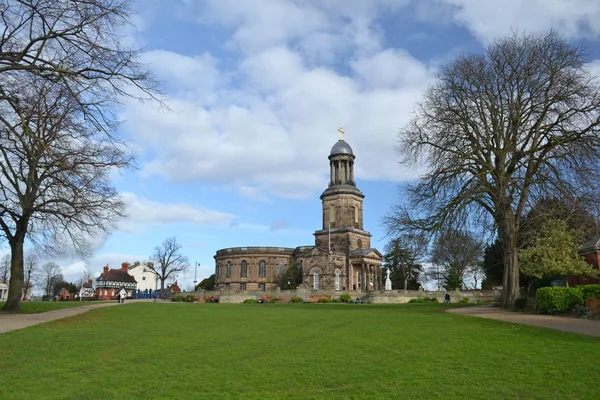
<point>342,202</point>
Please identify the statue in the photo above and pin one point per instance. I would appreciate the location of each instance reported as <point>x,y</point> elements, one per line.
<point>388,282</point>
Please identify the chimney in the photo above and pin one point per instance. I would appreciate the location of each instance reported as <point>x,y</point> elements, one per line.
<point>124,266</point>
<point>150,264</point>
<point>91,283</point>
<point>106,269</point>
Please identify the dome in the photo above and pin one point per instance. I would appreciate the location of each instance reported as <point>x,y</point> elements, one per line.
<point>341,147</point>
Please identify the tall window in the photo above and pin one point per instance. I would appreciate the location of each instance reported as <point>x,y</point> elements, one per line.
<point>243,286</point>
<point>262,269</point>
<point>337,279</point>
<point>218,274</point>
<point>281,266</point>
<point>228,272</point>
<point>316,281</point>
<point>261,286</point>
<point>244,271</point>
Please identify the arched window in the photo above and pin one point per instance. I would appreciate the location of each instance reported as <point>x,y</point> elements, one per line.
<point>316,281</point>
<point>228,272</point>
<point>337,279</point>
<point>262,269</point>
<point>244,270</point>
<point>218,272</point>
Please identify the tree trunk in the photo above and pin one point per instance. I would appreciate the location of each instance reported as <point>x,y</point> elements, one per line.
<point>15,287</point>
<point>508,235</point>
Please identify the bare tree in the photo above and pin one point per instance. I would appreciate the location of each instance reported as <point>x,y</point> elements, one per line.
<point>78,45</point>
<point>50,274</point>
<point>167,261</point>
<point>497,131</point>
<point>5,268</point>
<point>30,265</point>
<point>54,173</point>
<point>459,250</point>
<point>73,50</point>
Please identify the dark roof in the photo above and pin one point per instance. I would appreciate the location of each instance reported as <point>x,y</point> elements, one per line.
<point>117,275</point>
<point>341,147</point>
<point>88,285</point>
<point>591,245</point>
<point>364,252</point>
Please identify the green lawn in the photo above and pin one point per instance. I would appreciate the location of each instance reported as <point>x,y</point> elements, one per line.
<point>34,307</point>
<point>291,351</point>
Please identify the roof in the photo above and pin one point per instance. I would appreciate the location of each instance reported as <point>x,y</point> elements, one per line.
<point>364,252</point>
<point>117,275</point>
<point>591,245</point>
<point>341,147</point>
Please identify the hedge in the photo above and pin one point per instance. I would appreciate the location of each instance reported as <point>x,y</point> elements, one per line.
<point>557,300</point>
<point>590,291</point>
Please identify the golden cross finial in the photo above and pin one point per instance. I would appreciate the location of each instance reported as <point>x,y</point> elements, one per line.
<point>341,131</point>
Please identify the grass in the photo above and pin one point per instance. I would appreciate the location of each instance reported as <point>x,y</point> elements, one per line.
<point>293,351</point>
<point>34,307</point>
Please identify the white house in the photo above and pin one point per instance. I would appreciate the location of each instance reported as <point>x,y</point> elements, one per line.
<point>87,290</point>
<point>146,279</point>
<point>3,291</point>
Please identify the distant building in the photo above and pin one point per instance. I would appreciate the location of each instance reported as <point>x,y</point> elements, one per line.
<point>111,281</point>
<point>87,290</point>
<point>590,250</point>
<point>342,257</point>
<point>146,279</point>
<point>64,294</point>
<point>3,291</point>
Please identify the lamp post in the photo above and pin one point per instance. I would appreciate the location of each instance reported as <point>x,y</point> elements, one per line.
<point>195,272</point>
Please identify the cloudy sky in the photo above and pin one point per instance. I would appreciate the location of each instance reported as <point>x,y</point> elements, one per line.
<point>256,91</point>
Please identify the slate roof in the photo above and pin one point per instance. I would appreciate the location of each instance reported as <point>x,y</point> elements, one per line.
<point>364,252</point>
<point>117,275</point>
<point>591,245</point>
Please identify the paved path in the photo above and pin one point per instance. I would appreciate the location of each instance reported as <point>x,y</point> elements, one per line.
<point>11,322</point>
<point>575,325</point>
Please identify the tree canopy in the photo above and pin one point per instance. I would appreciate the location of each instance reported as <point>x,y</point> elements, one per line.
<point>497,131</point>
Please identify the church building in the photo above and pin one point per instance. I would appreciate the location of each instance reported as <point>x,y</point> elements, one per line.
<point>342,257</point>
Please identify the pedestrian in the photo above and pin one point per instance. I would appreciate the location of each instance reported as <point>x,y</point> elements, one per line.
<point>118,298</point>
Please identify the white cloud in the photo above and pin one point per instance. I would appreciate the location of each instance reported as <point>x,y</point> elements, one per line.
<point>489,20</point>
<point>144,211</point>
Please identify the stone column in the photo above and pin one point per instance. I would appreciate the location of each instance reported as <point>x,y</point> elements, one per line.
<point>332,172</point>
<point>364,277</point>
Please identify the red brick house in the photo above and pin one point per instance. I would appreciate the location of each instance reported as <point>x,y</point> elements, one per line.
<point>112,280</point>
<point>590,250</point>
<point>64,294</point>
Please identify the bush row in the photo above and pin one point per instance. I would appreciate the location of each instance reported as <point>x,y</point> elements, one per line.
<point>557,300</point>
<point>424,300</point>
<point>185,299</point>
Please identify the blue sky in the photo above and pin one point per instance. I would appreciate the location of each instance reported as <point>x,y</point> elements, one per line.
<point>256,91</point>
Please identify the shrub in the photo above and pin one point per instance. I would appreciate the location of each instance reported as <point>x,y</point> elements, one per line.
<point>274,300</point>
<point>521,303</point>
<point>430,300</point>
<point>296,300</point>
<point>416,301</point>
<point>464,300</point>
<point>335,301</point>
<point>250,301</point>
<point>324,300</point>
<point>557,300</point>
<point>345,298</point>
<point>589,291</point>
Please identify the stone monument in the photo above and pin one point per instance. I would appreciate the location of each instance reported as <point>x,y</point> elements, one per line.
<point>388,282</point>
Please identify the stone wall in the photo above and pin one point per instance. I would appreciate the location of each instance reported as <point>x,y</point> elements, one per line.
<point>376,297</point>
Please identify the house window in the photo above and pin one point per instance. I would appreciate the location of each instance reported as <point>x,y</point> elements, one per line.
<point>227,286</point>
<point>228,272</point>
<point>242,286</point>
<point>281,267</point>
<point>261,286</point>
<point>244,271</point>
<point>316,281</point>
<point>337,279</point>
<point>143,278</point>
<point>262,269</point>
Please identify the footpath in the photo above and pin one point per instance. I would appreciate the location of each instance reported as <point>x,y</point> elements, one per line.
<point>567,324</point>
<point>11,322</point>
